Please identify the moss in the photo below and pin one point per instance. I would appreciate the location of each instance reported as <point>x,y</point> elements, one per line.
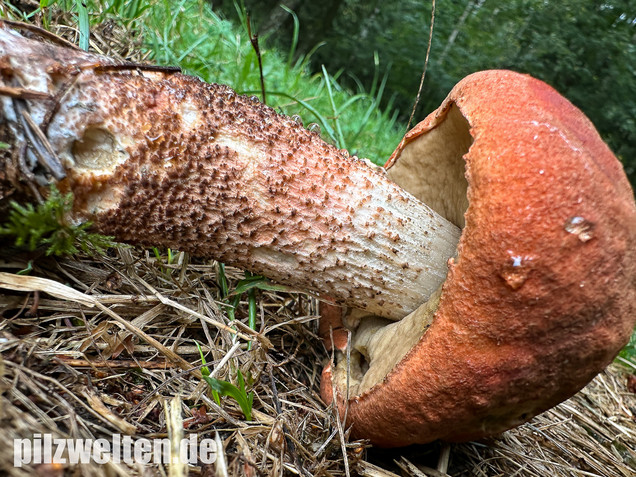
<point>46,226</point>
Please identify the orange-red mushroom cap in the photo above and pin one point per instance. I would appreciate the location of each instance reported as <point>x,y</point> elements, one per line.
<point>542,294</point>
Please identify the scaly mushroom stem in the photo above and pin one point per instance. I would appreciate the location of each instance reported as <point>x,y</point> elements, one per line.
<point>164,159</point>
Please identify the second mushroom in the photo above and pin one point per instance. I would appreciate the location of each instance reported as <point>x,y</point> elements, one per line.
<point>494,281</point>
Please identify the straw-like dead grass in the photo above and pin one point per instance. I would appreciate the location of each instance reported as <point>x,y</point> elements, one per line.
<point>110,348</point>
<point>75,370</point>
<point>106,366</point>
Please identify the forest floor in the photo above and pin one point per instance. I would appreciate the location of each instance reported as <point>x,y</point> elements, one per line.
<point>73,370</point>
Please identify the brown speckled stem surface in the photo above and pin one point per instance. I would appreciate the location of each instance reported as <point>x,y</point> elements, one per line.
<point>167,160</point>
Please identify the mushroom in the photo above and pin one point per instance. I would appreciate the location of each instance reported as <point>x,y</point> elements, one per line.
<point>542,293</point>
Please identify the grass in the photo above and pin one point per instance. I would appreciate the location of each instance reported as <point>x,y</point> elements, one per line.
<point>629,351</point>
<point>189,34</point>
<point>83,24</point>
<point>219,387</point>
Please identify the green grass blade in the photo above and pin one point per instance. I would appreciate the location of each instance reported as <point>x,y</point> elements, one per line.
<point>251,299</point>
<point>324,125</point>
<point>260,283</point>
<point>222,280</point>
<point>205,371</point>
<point>84,24</point>
<point>340,141</point>
<point>292,49</point>
<point>228,389</point>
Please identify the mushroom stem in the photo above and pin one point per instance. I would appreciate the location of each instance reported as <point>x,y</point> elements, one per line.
<point>163,159</point>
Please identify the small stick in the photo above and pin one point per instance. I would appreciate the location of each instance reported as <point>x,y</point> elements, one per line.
<point>41,145</point>
<point>428,51</point>
<point>52,37</point>
<point>115,363</point>
<point>444,457</point>
<point>20,158</point>
<point>57,102</point>
<point>22,93</point>
<point>288,441</point>
<point>217,324</point>
<point>33,309</point>
<point>214,372</point>
<point>257,50</point>
<point>136,66</point>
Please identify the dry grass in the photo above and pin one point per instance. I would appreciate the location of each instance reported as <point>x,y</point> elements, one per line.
<point>75,370</point>
<point>116,361</point>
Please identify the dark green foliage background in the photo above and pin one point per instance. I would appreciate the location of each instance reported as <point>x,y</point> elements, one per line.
<point>586,49</point>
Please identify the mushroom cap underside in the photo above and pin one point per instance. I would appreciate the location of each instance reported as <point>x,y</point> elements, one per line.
<point>542,294</point>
